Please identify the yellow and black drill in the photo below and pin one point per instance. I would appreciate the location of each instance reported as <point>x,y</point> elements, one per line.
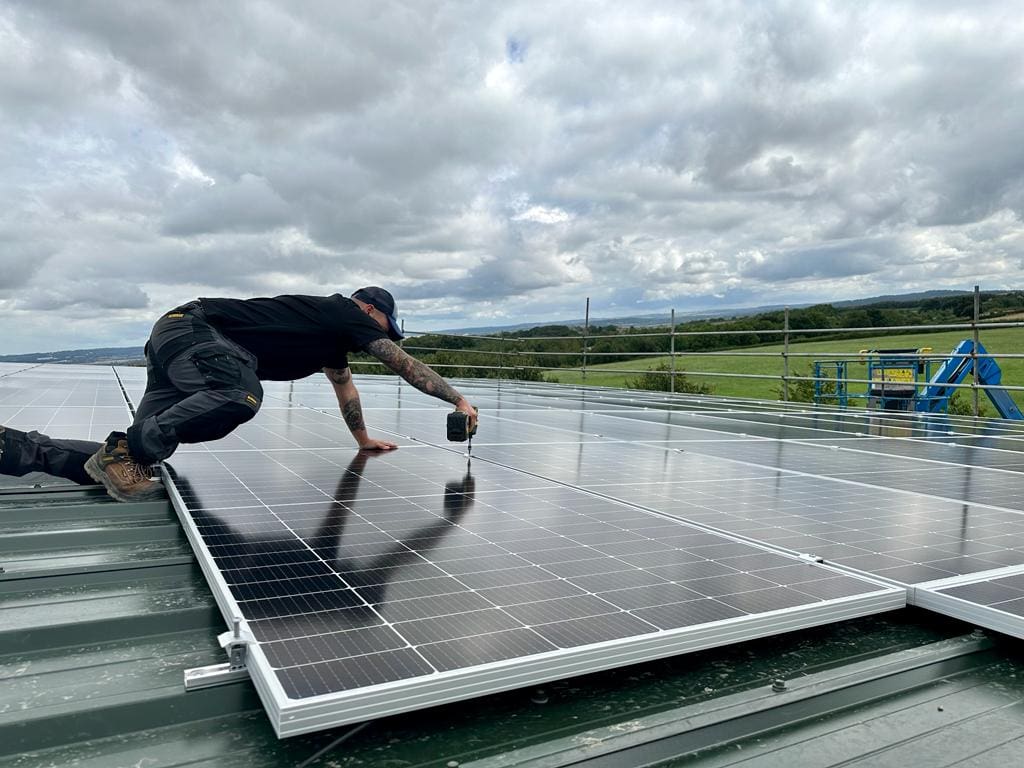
<point>458,429</point>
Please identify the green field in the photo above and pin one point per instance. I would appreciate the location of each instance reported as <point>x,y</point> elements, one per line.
<point>996,341</point>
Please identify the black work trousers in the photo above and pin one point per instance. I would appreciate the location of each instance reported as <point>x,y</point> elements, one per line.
<point>200,385</point>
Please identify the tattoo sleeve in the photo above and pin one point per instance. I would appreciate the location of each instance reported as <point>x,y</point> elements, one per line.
<point>352,411</point>
<point>348,398</point>
<point>412,370</point>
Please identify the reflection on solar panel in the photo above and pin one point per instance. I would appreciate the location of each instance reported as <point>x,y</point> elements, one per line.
<point>597,528</point>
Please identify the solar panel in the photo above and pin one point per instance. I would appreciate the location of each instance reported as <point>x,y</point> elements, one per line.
<point>378,584</point>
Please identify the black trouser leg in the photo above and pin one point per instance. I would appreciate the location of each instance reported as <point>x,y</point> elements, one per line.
<point>25,452</point>
<point>202,393</point>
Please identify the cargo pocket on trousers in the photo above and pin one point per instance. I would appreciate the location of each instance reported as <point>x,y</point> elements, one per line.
<point>219,369</point>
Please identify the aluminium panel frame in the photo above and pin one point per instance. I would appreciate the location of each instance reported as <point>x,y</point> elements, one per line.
<point>316,713</point>
<point>930,597</point>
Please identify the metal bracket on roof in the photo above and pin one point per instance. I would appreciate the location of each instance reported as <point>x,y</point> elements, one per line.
<point>809,558</point>
<point>236,644</point>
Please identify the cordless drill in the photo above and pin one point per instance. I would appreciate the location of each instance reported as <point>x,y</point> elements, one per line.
<point>458,429</point>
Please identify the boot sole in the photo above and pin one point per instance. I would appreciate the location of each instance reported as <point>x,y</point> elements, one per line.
<point>95,471</point>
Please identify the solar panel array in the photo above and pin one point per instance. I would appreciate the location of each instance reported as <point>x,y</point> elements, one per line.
<point>79,402</point>
<point>593,528</point>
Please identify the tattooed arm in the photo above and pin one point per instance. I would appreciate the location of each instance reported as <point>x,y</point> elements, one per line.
<point>421,376</point>
<point>352,410</point>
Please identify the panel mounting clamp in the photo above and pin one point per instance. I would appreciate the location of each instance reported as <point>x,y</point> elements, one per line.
<point>236,644</point>
<point>809,558</point>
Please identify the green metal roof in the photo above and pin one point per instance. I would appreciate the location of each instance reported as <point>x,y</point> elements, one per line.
<point>102,607</point>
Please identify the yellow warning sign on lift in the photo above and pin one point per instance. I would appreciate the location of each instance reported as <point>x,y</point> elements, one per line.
<point>893,375</point>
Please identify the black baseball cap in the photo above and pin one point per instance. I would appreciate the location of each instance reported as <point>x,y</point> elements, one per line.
<point>385,302</point>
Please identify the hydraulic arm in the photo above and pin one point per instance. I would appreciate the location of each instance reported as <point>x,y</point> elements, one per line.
<point>955,370</point>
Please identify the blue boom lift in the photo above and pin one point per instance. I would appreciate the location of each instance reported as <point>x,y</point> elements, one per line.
<point>902,380</point>
<point>958,367</point>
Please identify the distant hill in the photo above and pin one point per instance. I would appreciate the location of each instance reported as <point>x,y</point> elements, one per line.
<point>102,356</point>
<point>634,321</point>
<point>662,318</point>
<point>904,298</point>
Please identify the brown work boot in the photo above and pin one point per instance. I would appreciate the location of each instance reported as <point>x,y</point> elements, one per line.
<point>125,479</point>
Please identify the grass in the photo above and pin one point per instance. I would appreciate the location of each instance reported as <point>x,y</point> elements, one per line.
<point>995,341</point>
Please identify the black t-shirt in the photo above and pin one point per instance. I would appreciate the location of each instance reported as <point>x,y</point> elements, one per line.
<point>294,336</point>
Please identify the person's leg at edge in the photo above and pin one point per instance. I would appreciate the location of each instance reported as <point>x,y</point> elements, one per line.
<point>24,452</point>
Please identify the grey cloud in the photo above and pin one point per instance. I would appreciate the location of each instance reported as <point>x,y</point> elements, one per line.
<point>42,75</point>
<point>89,294</point>
<point>522,262</point>
<point>237,264</point>
<point>18,264</point>
<point>798,43</point>
<point>826,261</point>
<point>255,60</point>
<point>248,205</point>
<point>505,278</point>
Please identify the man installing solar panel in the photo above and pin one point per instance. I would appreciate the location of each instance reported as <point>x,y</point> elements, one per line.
<point>205,361</point>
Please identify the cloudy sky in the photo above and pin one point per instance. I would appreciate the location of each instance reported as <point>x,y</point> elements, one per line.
<point>498,162</point>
